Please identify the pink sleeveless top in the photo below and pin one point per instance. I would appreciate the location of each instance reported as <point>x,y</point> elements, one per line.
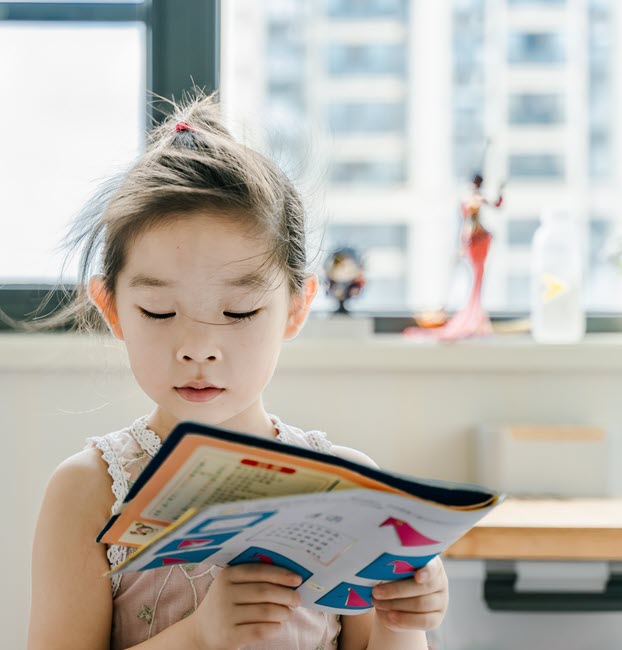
<point>145,603</point>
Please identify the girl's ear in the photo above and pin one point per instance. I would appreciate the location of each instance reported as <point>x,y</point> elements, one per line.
<point>300,307</point>
<point>102,299</point>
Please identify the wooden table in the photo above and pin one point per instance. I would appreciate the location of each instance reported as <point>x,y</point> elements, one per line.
<point>546,529</point>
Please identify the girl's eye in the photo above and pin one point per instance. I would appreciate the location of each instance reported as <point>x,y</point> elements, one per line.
<point>245,316</point>
<point>147,314</point>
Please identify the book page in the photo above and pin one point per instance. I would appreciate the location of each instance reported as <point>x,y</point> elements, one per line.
<point>341,543</point>
<point>212,476</point>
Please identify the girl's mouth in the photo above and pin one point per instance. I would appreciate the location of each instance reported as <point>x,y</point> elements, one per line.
<point>199,394</point>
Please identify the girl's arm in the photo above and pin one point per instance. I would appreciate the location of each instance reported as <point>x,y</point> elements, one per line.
<point>71,605</point>
<point>376,630</point>
<point>72,599</point>
<point>71,602</point>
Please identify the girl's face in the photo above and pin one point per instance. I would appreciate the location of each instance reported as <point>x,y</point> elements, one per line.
<point>190,312</point>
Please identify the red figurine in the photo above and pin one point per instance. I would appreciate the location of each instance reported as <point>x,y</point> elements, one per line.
<point>475,242</point>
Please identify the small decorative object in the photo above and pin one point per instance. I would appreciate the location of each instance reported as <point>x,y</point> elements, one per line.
<point>475,242</point>
<point>344,276</point>
<point>431,319</point>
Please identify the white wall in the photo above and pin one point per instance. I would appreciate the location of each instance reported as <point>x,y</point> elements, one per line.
<point>411,407</point>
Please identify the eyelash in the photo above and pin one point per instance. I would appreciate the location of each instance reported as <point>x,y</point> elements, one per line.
<point>240,317</point>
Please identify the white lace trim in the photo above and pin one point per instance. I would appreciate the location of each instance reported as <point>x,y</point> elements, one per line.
<point>120,486</point>
<point>149,440</point>
<point>317,440</point>
<point>116,554</point>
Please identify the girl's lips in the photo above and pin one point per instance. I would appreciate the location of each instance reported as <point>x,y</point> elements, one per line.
<point>199,394</point>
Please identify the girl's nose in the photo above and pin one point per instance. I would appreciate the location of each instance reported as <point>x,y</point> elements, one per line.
<point>199,358</point>
<point>198,349</point>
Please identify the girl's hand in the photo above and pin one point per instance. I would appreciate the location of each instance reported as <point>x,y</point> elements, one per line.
<point>244,604</point>
<point>418,603</point>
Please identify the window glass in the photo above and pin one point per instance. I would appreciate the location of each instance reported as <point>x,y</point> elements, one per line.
<point>76,115</point>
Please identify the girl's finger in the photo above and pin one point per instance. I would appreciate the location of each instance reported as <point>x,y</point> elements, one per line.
<point>260,613</point>
<point>260,572</point>
<point>420,605</point>
<point>264,592</point>
<point>430,571</point>
<point>406,588</point>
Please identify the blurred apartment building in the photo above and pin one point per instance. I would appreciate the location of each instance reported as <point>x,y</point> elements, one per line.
<point>382,110</point>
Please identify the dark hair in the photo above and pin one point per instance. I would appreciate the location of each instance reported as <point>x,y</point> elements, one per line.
<point>185,168</point>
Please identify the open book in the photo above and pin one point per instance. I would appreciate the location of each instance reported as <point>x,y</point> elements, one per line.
<point>342,526</point>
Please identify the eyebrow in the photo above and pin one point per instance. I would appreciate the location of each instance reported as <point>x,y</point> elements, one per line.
<point>254,280</point>
<point>141,280</point>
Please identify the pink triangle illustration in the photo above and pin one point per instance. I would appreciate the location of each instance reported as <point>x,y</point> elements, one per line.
<point>264,558</point>
<point>194,542</point>
<point>355,600</point>
<point>173,560</point>
<point>401,566</point>
<point>407,534</point>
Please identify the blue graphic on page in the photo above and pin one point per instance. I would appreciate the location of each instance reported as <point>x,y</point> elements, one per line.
<point>347,596</point>
<point>393,567</point>
<point>257,554</point>
<point>191,543</point>
<point>230,522</point>
<point>194,556</point>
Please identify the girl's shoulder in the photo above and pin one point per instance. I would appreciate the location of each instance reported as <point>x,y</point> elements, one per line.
<point>356,456</point>
<point>85,468</point>
<point>319,441</point>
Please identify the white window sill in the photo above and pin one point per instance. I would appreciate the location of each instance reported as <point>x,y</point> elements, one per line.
<point>48,352</point>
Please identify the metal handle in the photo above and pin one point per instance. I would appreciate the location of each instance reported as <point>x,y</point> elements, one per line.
<point>500,595</point>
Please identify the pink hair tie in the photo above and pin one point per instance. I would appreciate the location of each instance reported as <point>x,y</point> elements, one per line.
<point>182,126</point>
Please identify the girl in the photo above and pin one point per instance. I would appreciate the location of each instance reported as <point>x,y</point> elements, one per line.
<point>199,253</point>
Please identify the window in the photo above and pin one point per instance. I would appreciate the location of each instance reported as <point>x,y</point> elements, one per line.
<point>359,117</point>
<point>379,114</point>
<point>536,109</point>
<point>78,74</point>
<point>600,231</point>
<point>519,285</point>
<point>67,130</point>
<point>599,88</point>
<point>521,232</point>
<point>468,87</point>
<point>539,3</point>
<point>366,9</point>
<point>365,172</point>
<point>535,167</point>
<point>604,277</point>
<point>380,119</point>
<point>535,48</point>
<point>370,59</point>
